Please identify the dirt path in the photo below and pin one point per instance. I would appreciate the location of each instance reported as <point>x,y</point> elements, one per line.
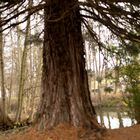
<point>66,132</point>
<point>128,133</point>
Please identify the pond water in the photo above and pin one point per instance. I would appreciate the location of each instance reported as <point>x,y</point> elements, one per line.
<point>115,119</point>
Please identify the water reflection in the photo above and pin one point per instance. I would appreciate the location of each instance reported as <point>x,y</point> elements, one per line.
<point>115,120</point>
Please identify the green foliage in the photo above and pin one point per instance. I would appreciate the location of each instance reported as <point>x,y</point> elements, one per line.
<point>99,79</point>
<point>108,75</point>
<point>131,74</point>
<point>108,89</point>
<point>133,49</point>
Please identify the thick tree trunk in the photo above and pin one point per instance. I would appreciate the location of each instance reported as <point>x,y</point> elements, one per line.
<point>65,92</point>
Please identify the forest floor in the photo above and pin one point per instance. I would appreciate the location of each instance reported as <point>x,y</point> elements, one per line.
<point>66,132</point>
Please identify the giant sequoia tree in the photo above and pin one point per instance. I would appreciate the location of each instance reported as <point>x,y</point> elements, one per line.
<point>65,93</point>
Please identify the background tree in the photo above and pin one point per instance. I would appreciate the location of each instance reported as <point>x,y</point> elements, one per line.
<point>130,72</point>
<point>3,92</point>
<point>23,70</point>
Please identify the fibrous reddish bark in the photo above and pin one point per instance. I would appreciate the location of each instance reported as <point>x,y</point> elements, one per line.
<point>65,93</point>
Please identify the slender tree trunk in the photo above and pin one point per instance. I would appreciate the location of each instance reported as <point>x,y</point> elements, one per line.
<point>19,51</point>
<point>101,115</point>
<point>116,71</point>
<point>120,119</point>
<point>11,87</point>
<point>65,91</point>
<point>38,63</point>
<point>137,113</point>
<point>22,74</point>
<point>4,119</point>
<point>3,92</point>
<point>109,122</point>
<point>11,76</point>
